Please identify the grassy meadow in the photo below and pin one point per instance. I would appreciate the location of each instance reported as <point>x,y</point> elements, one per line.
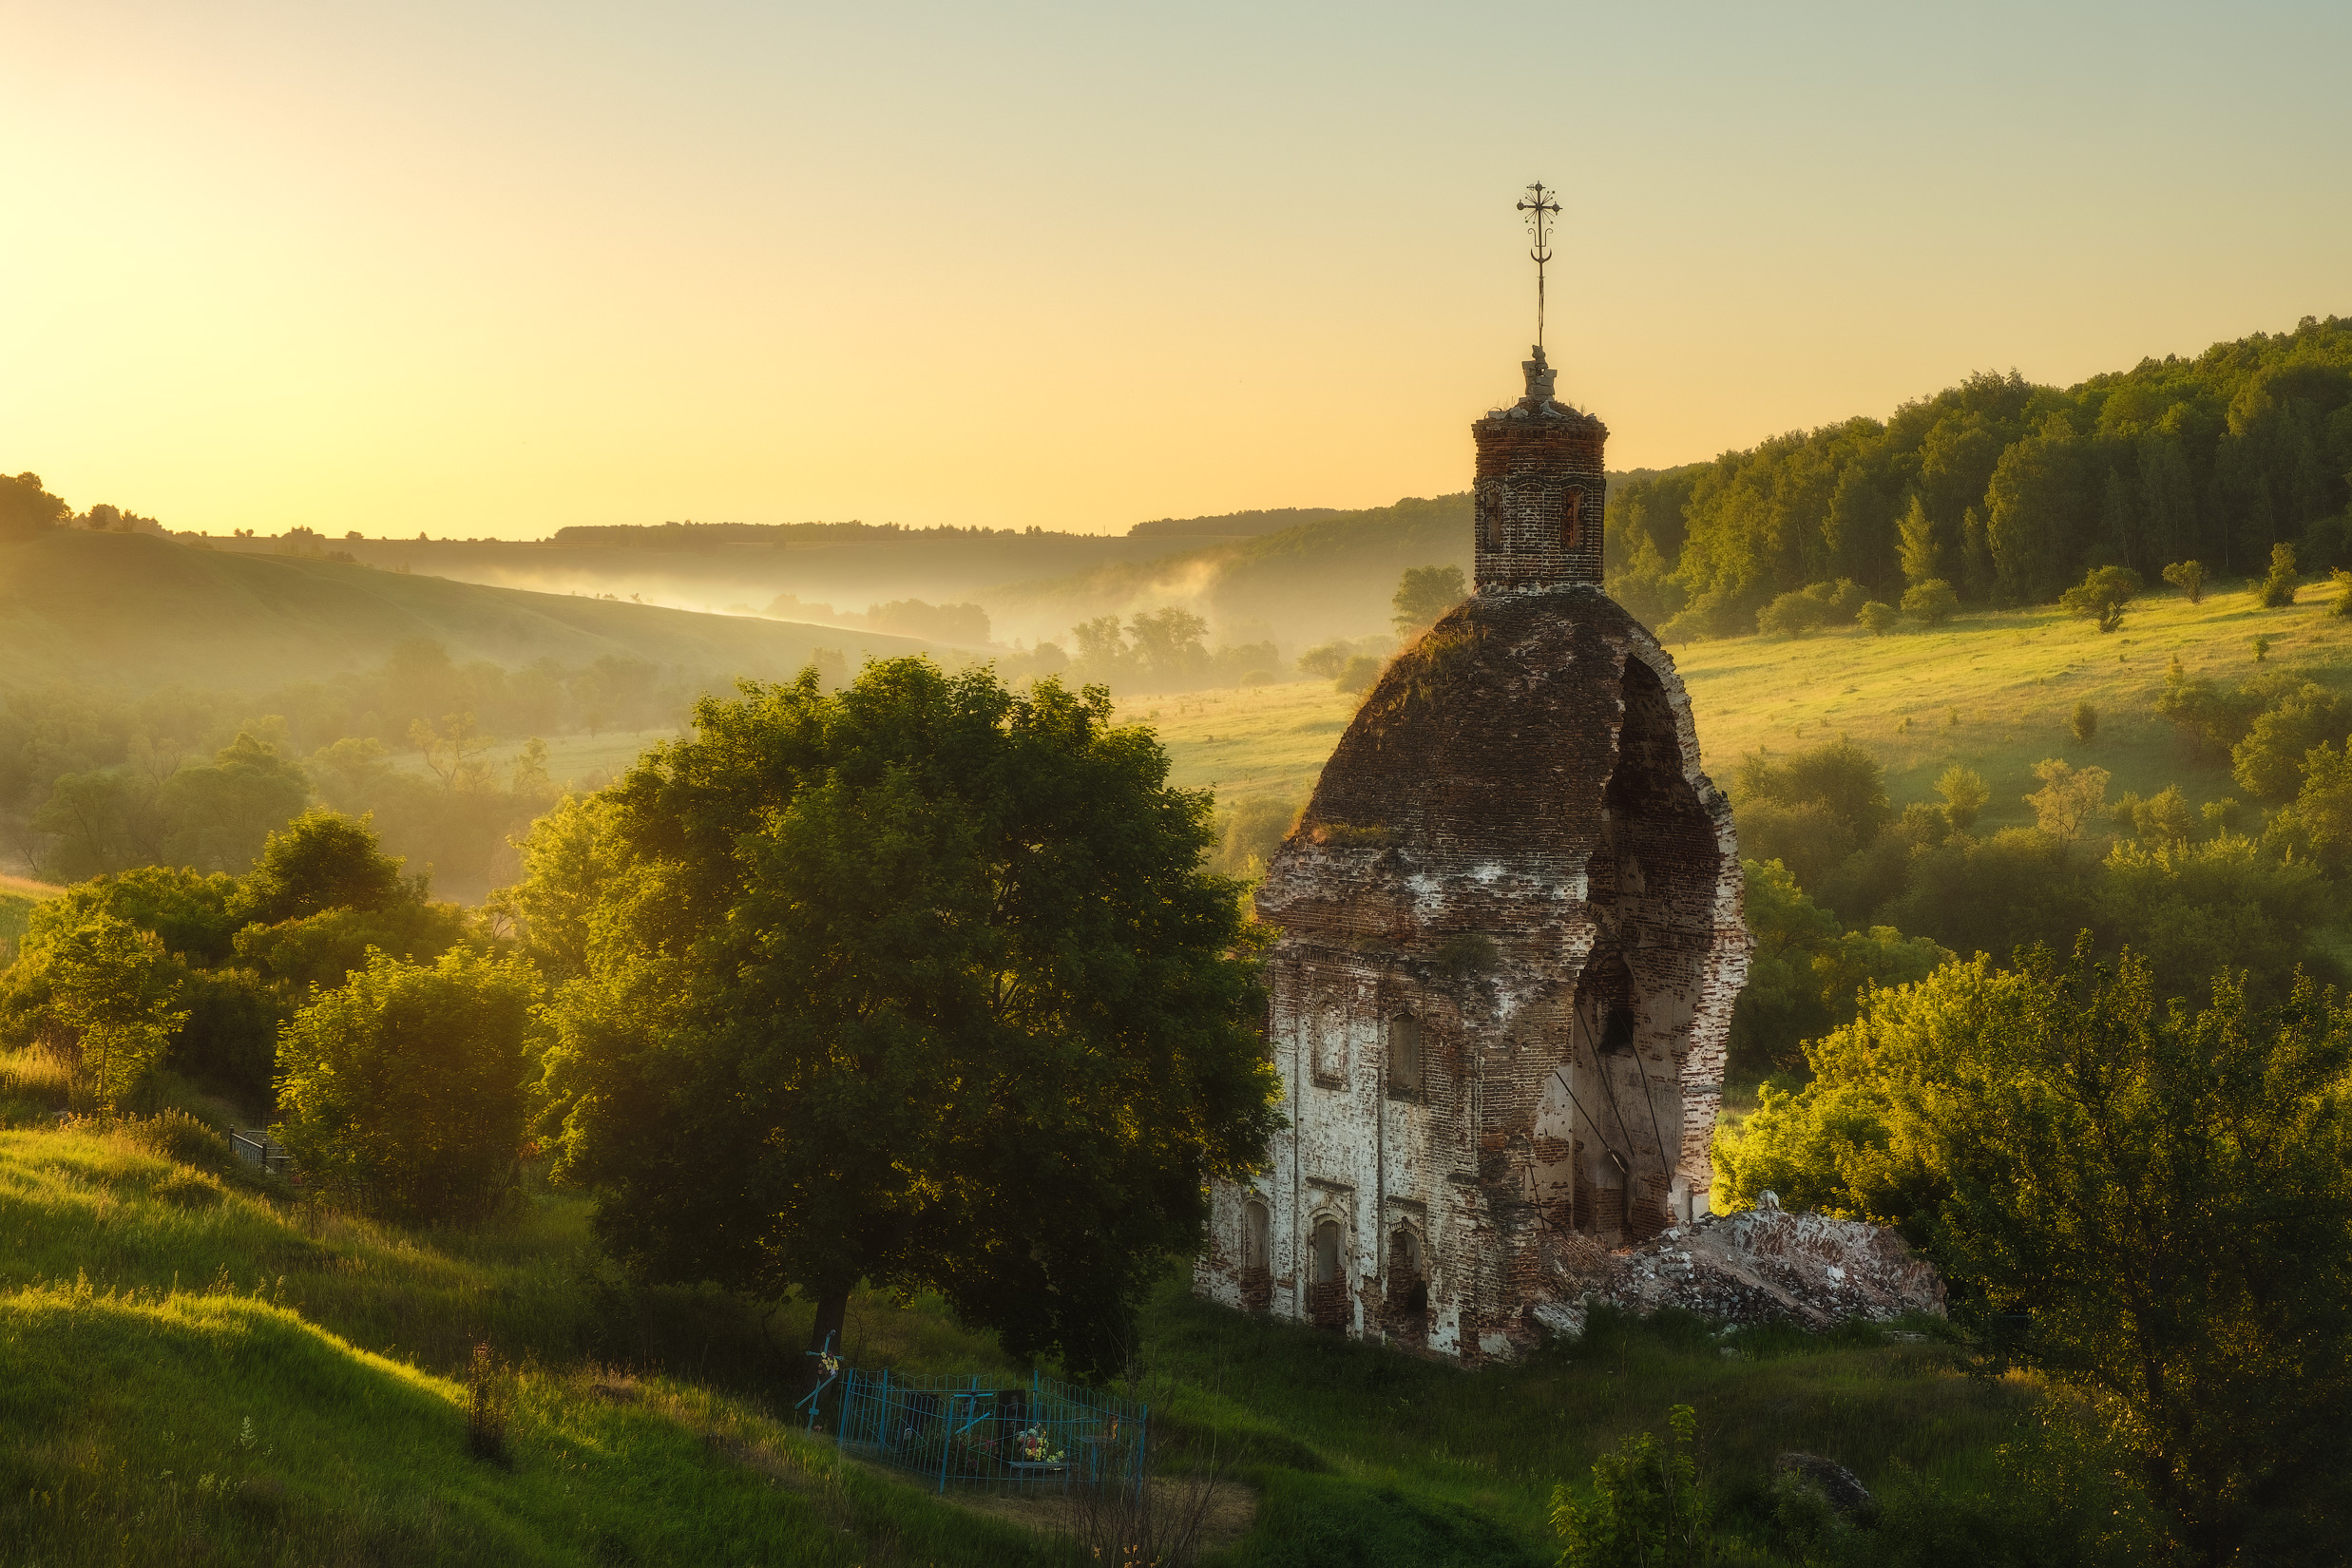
<point>1994,691</point>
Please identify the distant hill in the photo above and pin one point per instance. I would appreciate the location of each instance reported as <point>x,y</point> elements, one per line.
<point>1230,524</point>
<point>135,611</point>
<point>726,567</point>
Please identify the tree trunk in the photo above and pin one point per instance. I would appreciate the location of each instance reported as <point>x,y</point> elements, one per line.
<point>825,1335</point>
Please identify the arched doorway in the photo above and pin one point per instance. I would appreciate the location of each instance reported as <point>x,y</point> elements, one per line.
<point>1326,1290</point>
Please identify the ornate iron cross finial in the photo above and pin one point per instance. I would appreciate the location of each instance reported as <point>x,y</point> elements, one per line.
<point>1541,208</point>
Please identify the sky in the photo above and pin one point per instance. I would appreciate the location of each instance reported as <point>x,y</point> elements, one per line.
<point>494,268</point>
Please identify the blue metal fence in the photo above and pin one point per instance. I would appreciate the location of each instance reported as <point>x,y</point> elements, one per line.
<point>978,1431</point>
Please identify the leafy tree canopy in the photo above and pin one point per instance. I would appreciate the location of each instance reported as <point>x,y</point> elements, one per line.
<point>919,982</point>
<point>2005,492</point>
<point>321,860</point>
<point>406,1087</point>
<point>1423,593</point>
<point>2153,1206</point>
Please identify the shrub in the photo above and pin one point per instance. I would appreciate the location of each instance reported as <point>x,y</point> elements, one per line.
<point>188,1188</point>
<point>1931,602</point>
<point>2101,596</point>
<point>321,860</point>
<point>1964,794</point>
<point>177,1135</point>
<point>2085,722</point>
<point>1792,614</point>
<point>1811,809</point>
<point>2267,764</point>
<point>2342,580</point>
<point>2069,797</point>
<point>230,1039</point>
<point>2163,818</point>
<point>1326,660</point>
<point>1425,593</point>
<point>1647,1509</point>
<point>2278,589</point>
<point>2188,576</point>
<point>1877,618</point>
<point>1818,605</point>
<point>1250,833</point>
<point>111,985</point>
<point>1358,674</point>
<point>405,1088</point>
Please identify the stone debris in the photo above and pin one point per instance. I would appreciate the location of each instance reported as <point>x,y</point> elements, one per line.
<point>1761,1265</point>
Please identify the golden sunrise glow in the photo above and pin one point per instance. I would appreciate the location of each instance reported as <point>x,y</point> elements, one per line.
<point>494,269</point>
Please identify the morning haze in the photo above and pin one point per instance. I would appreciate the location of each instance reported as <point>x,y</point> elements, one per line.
<point>1213,788</point>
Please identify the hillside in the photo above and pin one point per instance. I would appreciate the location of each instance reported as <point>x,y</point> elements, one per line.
<point>849,570</point>
<point>1253,574</point>
<point>1994,690</point>
<point>1322,579</point>
<point>310,1366</point>
<point>135,611</point>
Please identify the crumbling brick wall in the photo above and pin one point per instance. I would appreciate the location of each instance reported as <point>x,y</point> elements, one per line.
<point>1513,851</point>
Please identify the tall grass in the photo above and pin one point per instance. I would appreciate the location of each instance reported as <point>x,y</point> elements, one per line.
<point>35,1084</point>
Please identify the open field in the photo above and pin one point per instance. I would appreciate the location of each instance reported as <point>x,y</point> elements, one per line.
<point>1994,691</point>
<point>195,1369</point>
<point>1263,740</point>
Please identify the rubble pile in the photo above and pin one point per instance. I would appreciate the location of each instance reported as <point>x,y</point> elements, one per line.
<point>1761,1265</point>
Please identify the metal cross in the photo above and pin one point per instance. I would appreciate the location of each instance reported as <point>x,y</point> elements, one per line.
<point>1539,208</point>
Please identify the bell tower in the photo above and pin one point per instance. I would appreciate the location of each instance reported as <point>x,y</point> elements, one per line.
<point>1541,484</point>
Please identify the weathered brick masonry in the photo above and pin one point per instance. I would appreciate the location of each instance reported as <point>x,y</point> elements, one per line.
<point>1511,936</point>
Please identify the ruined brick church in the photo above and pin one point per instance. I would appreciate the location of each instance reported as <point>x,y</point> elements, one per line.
<point>1511,939</point>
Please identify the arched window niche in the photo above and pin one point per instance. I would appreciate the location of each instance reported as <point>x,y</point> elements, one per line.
<point>1405,1070</point>
<point>1327,1293</point>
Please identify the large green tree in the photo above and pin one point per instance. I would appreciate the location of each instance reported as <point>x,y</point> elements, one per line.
<point>920,984</point>
<point>2149,1206</point>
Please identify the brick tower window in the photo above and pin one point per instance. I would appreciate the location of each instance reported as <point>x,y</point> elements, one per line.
<point>1328,1048</point>
<point>1571,519</point>
<point>1256,1235</point>
<point>1404,1070</point>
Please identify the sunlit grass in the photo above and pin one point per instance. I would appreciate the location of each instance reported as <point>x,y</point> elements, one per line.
<point>2014,679</point>
<point>1260,740</point>
<point>147,1308</point>
<point>1994,691</point>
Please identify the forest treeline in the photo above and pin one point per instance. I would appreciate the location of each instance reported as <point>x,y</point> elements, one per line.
<point>2008,491</point>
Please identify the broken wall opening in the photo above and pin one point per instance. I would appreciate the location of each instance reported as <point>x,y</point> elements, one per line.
<point>1650,887</point>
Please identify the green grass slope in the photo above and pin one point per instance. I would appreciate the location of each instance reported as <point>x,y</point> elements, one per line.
<point>2012,680</point>
<point>194,1370</point>
<point>188,1374</point>
<point>138,611</point>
